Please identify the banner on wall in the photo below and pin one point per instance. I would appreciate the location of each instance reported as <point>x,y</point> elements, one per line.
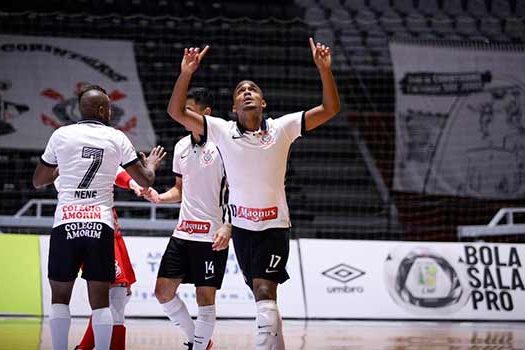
<point>460,128</point>
<point>21,292</point>
<point>234,299</point>
<point>40,82</point>
<point>413,280</point>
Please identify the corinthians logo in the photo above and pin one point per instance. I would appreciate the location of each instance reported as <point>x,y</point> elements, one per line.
<point>194,227</point>
<point>423,281</point>
<point>207,157</point>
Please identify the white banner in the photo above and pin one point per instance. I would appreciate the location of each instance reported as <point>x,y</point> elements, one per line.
<point>234,299</point>
<point>413,280</point>
<point>40,81</point>
<point>460,128</point>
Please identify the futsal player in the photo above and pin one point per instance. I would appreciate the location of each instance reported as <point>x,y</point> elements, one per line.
<point>120,291</point>
<point>198,249</point>
<point>255,152</point>
<point>87,155</point>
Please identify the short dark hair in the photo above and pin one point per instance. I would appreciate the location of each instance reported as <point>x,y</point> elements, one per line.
<point>87,88</point>
<point>202,96</point>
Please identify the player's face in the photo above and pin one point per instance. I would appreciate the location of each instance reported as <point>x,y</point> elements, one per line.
<point>248,96</point>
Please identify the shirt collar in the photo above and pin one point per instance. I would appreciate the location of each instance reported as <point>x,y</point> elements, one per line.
<point>91,121</point>
<point>195,143</point>
<point>263,127</point>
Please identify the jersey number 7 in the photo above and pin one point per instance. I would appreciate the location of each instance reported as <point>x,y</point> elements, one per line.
<point>96,154</point>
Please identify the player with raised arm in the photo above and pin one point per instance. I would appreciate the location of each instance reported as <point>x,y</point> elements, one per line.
<point>198,249</point>
<point>255,152</point>
<point>87,155</point>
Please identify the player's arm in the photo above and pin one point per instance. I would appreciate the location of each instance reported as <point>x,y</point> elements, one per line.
<point>331,103</point>
<point>143,171</point>
<point>177,106</point>
<point>44,174</point>
<point>124,180</point>
<point>173,195</point>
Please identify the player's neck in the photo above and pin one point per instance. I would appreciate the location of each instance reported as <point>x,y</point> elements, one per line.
<point>251,121</point>
<point>196,138</point>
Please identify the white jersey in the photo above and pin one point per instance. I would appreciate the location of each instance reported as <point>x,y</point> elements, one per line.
<point>255,163</point>
<point>203,185</point>
<point>88,155</point>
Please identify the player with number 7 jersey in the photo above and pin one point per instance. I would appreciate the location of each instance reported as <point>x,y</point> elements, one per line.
<point>87,155</point>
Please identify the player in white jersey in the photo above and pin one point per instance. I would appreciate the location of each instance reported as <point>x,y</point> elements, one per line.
<point>87,155</point>
<point>198,249</point>
<point>255,152</point>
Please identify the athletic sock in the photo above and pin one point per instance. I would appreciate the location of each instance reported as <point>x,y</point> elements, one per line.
<point>177,312</point>
<point>204,326</point>
<point>60,322</point>
<point>102,327</point>
<point>269,326</point>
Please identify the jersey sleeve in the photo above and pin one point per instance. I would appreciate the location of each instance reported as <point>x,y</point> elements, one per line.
<point>128,153</point>
<point>292,124</point>
<point>177,152</point>
<point>49,158</point>
<point>215,129</point>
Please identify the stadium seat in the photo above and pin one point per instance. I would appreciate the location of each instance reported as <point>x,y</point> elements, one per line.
<point>500,8</point>
<point>466,25</point>
<point>453,7</point>
<point>428,7</point>
<point>477,8</point>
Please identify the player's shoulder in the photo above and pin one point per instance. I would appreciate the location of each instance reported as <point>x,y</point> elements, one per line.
<point>182,144</point>
<point>183,141</point>
<point>218,121</point>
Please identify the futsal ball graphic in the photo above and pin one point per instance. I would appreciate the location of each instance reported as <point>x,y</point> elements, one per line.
<point>424,282</point>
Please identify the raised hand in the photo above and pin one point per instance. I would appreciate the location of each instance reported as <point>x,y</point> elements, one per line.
<point>222,237</point>
<point>321,54</point>
<point>154,158</point>
<point>191,59</point>
<point>151,195</point>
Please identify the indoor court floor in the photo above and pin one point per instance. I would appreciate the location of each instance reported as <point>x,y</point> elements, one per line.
<point>19,333</point>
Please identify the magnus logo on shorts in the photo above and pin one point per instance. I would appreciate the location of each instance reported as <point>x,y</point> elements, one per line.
<point>194,227</point>
<point>254,214</point>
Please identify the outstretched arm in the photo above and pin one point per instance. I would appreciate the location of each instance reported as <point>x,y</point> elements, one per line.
<point>177,106</point>
<point>173,195</point>
<point>331,104</point>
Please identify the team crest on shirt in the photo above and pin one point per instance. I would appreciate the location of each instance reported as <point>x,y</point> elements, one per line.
<point>207,157</point>
<point>267,139</point>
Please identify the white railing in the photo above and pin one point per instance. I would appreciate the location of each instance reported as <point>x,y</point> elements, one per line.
<point>503,223</point>
<point>27,217</point>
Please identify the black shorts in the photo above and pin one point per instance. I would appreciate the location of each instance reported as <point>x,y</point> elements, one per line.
<point>88,245</point>
<point>262,254</point>
<point>194,262</point>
